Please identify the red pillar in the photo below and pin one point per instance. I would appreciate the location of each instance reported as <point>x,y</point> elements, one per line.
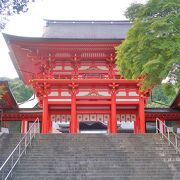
<point>77,125</point>
<point>45,123</point>
<point>109,125</point>
<point>73,123</point>
<point>136,125</point>
<point>141,115</point>
<point>163,125</point>
<point>50,123</point>
<point>113,123</point>
<point>24,126</point>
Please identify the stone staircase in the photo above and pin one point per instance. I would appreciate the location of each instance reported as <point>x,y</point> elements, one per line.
<point>99,156</point>
<point>7,143</point>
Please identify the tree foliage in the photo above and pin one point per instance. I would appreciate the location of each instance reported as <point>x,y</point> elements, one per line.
<point>133,11</point>
<point>20,91</point>
<point>152,46</point>
<point>10,7</point>
<point>2,91</point>
<point>158,98</point>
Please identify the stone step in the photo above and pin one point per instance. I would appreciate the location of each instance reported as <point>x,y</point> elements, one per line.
<point>94,173</point>
<point>98,156</point>
<point>94,178</point>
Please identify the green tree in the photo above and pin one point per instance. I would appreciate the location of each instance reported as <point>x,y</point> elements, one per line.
<point>152,47</point>
<point>10,7</point>
<point>20,91</point>
<point>2,91</point>
<point>133,11</point>
<point>158,98</point>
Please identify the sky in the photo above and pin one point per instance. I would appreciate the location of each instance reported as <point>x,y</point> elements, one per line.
<point>31,23</point>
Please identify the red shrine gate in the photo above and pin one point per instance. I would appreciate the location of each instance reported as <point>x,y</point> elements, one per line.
<point>11,113</point>
<point>77,80</point>
<point>82,83</point>
<point>90,99</point>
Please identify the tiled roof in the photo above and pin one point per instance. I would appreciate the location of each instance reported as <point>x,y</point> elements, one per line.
<point>86,29</point>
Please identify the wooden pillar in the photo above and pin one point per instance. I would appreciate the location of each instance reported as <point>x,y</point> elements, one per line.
<point>162,124</point>
<point>50,123</point>
<point>136,125</point>
<point>109,125</point>
<point>45,118</point>
<point>73,123</point>
<point>113,123</point>
<point>77,125</point>
<point>24,126</point>
<point>141,115</point>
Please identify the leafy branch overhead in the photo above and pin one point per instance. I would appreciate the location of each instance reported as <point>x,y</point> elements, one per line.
<point>152,46</point>
<point>10,7</point>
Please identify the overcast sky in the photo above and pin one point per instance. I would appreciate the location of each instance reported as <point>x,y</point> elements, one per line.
<point>31,23</point>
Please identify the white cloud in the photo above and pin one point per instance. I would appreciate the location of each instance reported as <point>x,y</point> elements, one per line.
<point>6,67</point>
<point>87,9</point>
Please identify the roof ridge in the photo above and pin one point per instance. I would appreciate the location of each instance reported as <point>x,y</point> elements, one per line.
<point>87,21</point>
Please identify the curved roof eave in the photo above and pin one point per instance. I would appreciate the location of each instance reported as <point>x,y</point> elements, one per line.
<point>9,37</point>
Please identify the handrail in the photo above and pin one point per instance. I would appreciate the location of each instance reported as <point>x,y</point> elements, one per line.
<point>8,166</point>
<point>162,128</point>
